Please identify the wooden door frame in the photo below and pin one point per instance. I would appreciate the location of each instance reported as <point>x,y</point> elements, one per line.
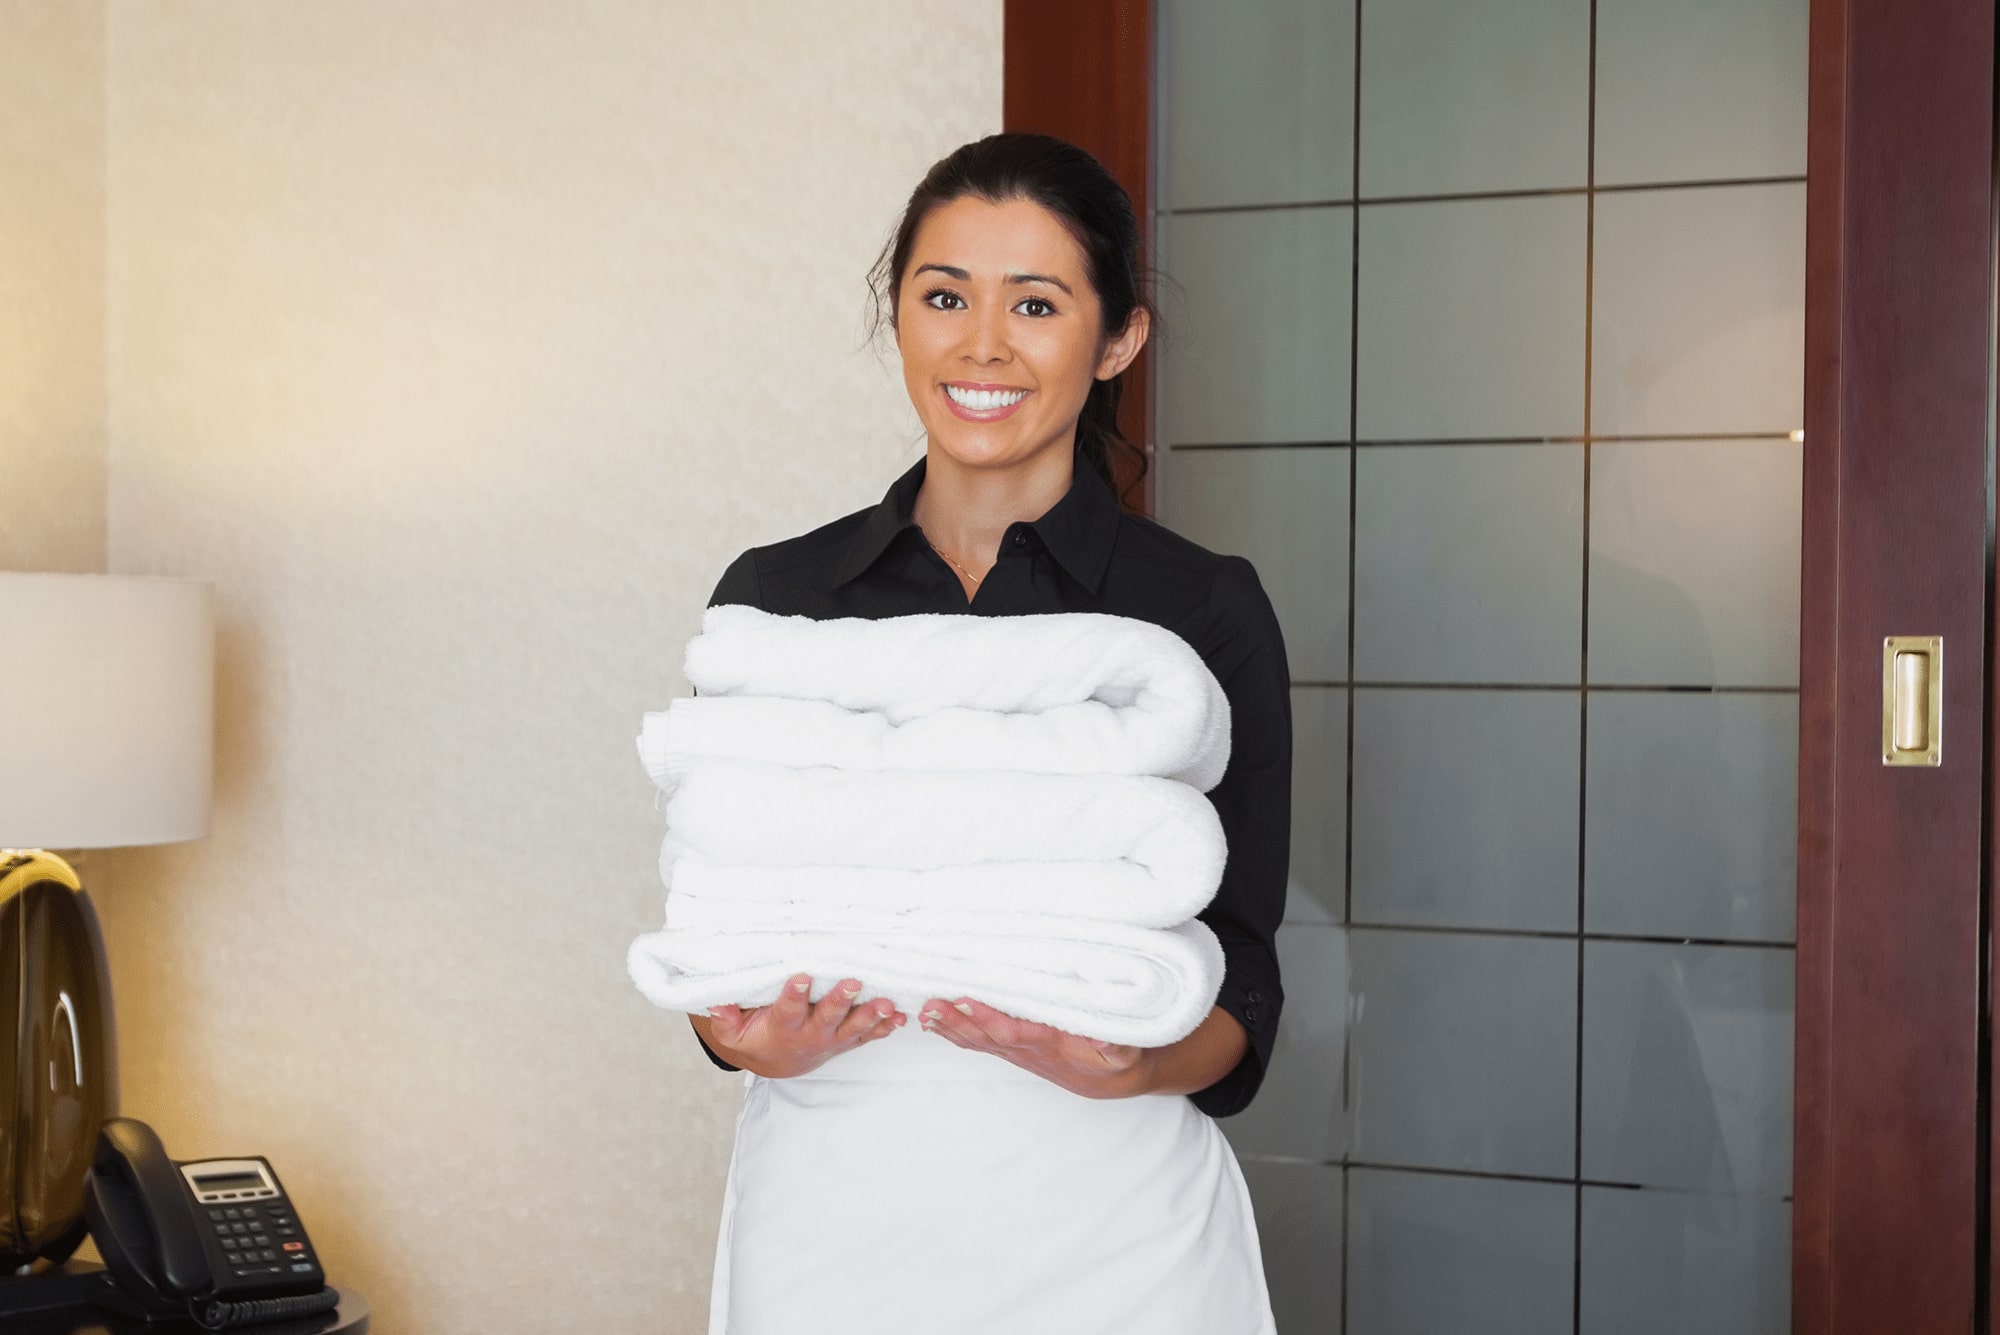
<point>1889,1156</point>
<point>1890,1183</point>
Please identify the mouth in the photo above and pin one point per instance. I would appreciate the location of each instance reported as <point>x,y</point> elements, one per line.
<point>983,403</point>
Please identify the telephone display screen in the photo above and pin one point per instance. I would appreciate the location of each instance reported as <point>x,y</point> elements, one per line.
<point>230,1182</point>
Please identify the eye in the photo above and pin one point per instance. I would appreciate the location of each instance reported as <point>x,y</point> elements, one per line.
<point>1042,314</point>
<point>931,299</point>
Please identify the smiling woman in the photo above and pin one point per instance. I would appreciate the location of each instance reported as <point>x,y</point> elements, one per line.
<point>978,1173</point>
<point>1000,323</point>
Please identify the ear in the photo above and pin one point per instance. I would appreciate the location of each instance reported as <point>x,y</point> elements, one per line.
<point>1120,351</point>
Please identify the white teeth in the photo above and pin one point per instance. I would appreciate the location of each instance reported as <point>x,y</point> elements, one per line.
<point>980,400</point>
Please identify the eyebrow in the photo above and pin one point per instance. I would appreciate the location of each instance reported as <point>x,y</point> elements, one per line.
<point>964,277</point>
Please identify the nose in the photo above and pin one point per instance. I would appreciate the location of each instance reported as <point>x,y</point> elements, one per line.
<point>986,336</point>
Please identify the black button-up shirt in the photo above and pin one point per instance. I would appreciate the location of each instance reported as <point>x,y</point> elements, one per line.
<point>1089,555</point>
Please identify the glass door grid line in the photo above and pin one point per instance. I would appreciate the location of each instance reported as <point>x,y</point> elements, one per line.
<point>1447,197</point>
<point>1474,442</point>
<point>1583,672</point>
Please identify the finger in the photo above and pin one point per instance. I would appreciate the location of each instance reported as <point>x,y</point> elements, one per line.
<point>972,1018</point>
<point>790,1009</point>
<point>931,1016</point>
<point>726,1023</point>
<point>888,1024</point>
<point>895,1020</point>
<point>950,1035</point>
<point>873,1020</point>
<point>835,1005</point>
<point>943,1020</point>
<point>1000,1028</point>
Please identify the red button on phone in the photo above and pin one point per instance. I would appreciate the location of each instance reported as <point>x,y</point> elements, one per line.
<point>295,1246</point>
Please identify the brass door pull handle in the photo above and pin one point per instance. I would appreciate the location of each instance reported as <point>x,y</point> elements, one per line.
<point>1912,699</point>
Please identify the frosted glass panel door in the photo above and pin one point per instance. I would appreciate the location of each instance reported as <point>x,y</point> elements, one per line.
<point>1484,342</point>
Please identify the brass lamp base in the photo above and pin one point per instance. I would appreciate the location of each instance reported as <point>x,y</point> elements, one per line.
<point>57,1066</point>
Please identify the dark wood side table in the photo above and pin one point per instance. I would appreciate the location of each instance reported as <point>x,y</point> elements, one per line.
<point>65,1309</point>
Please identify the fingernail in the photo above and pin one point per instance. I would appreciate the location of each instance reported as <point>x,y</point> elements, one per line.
<point>961,1006</point>
<point>854,991</point>
<point>802,985</point>
<point>930,1016</point>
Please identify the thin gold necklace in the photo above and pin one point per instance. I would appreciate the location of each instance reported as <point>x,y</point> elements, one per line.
<point>948,561</point>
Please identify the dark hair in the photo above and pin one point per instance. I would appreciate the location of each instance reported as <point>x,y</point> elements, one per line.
<point>1089,202</point>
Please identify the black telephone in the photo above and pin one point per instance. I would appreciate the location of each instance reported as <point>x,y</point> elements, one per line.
<point>215,1240</point>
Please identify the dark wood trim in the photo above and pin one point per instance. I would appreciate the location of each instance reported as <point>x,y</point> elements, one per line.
<point>1084,72</point>
<point>1991,1042</point>
<point>1888,1170</point>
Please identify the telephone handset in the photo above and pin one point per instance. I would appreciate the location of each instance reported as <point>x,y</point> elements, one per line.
<point>216,1239</point>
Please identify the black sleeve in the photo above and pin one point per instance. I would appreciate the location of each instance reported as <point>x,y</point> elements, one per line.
<point>739,584</point>
<point>1246,650</point>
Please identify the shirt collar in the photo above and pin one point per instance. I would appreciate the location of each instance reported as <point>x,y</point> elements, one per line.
<point>1078,530</point>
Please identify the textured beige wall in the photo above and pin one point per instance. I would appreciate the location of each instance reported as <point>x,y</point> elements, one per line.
<point>52,285</point>
<point>462,344</point>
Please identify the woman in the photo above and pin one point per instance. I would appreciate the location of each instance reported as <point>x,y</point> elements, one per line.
<point>979,1173</point>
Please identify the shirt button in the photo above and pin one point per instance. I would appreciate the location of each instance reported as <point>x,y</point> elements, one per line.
<point>1250,1014</point>
<point>1020,539</point>
<point>1253,995</point>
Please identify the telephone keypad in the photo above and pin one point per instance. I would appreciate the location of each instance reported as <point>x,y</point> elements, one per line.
<point>254,1244</point>
<point>260,1241</point>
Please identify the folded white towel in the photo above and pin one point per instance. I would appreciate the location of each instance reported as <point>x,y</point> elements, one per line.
<point>1110,891</point>
<point>991,833</point>
<point>1058,692</point>
<point>1107,981</point>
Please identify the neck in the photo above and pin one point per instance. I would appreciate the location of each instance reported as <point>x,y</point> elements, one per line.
<point>965,509</point>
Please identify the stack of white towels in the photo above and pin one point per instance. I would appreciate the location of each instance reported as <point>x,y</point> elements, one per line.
<point>942,805</point>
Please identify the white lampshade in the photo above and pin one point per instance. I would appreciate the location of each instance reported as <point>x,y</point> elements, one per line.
<point>107,710</point>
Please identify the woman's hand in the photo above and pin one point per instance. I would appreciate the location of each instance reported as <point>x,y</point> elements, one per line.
<point>792,1035</point>
<point>1085,1066</point>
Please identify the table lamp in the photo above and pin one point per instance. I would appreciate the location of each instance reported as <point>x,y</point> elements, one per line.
<point>107,702</point>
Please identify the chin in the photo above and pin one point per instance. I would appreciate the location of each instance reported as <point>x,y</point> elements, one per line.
<point>975,448</point>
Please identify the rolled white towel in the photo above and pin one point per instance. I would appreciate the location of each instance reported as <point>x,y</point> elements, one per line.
<point>1059,692</point>
<point>1107,981</point>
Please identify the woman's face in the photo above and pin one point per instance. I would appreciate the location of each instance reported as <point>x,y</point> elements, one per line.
<point>1001,332</point>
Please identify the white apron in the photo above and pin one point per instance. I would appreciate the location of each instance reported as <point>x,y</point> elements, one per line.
<point>912,1187</point>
